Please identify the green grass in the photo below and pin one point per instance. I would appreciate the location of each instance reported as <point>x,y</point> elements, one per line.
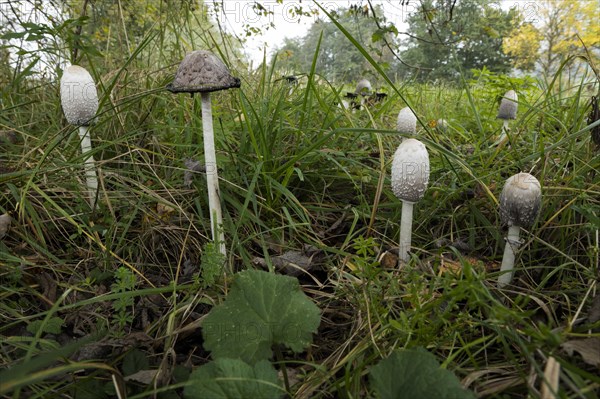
<point>295,170</point>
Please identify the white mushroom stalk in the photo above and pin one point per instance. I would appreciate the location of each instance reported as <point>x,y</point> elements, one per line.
<point>507,111</point>
<point>202,72</point>
<point>79,100</point>
<point>212,174</point>
<point>520,202</point>
<point>410,176</point>
<point>407,121</point>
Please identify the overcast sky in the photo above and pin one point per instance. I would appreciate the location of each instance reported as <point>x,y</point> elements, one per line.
<point>235,14</point>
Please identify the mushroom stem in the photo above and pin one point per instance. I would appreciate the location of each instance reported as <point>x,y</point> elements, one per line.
<point>212,176</point>
<point>89,164</point>
<point>508,260</point>
<point>405,230</point>
<point>503,135</point>
<point>505,129</point>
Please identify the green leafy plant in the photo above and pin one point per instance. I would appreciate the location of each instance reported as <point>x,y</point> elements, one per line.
<point>233,378</point>
<point>124,281</point>
<point>364,247</point>
<point>51,326</point>
<point>212,264</point>
<point>414,373</point>
<point>261,310</point>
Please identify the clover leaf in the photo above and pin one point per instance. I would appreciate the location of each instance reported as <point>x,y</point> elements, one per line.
<point>415,373</point>
<point>261,310</point>
<point>234,379</point>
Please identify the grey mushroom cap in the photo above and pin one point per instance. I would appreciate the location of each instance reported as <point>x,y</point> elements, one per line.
<point>441,124</point>
<point>508,106</point>
<point>78,96</point>
<point>520,200</point>
<point>410,170</point>
<point>407,121</point>
<point>201,72</point>
<point>363,87</point>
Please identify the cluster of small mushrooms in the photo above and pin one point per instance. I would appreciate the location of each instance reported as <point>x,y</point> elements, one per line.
<point>203,72</point>
<point>520,199</point>
<point>363,95</point>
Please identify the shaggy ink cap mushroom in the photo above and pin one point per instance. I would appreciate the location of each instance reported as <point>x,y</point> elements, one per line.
<point>407,121</point>
<point>79,100</point>
<point>508,106</point>
<point>410,170</point>
<point>363,87</point>
<point>410,175</point>
<point>78,96</point>
<point>520,200</point>
<point>202,72</point>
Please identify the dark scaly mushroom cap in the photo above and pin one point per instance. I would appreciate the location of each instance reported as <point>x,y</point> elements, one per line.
<point>508,106</point>
<point>200,72</point>
<point>410,170</point>
<point>520,200</point>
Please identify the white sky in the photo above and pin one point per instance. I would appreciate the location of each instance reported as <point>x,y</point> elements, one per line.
<point>235,14</point>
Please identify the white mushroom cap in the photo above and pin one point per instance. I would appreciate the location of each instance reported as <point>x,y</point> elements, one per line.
<point>520,200</point>
<point>407,121</point>
<point>78,96</point>
<point>363,85</point>
<point>441,124</point>
<point>410,170</point>
<point>508,106</point>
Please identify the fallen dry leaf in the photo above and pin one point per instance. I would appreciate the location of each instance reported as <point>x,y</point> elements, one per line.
<point>143,376</point>
<point>293,263</point>
<point>594,312</point>
<point>389,260</point>
<point>5,221</point>
<point>588,348</point>
<point>551,379</point>
<point>192,166</point>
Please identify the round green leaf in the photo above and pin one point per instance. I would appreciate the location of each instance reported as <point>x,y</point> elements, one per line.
<point>415,373</point>
<point>261,309</point>
<point>234,379</point>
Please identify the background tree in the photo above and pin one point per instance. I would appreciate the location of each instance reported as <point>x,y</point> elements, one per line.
<point>339,60</point>
<point>523,46</point>
<point>445,35</point>
<point>562,27</point>
<point>122,26</point>
<point>53,33</point>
